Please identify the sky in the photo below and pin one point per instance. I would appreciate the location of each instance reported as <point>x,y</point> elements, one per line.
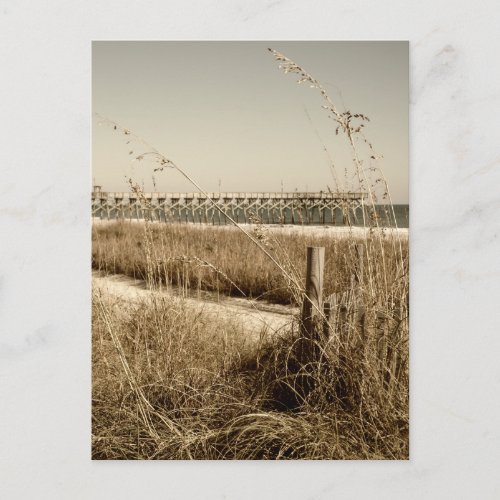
<point>229,117</point>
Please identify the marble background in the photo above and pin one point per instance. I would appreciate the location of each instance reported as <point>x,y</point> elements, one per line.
<point>45,248</point>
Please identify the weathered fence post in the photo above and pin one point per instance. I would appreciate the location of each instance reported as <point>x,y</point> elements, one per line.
<point>328,312</point>
<point>360,251</point>
<point>360,323</point>
<point>313,300</point>
<point>342,319</point>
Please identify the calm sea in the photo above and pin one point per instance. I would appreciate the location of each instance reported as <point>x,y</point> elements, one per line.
<point>384,213</point>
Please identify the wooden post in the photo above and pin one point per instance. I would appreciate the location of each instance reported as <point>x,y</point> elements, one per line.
<point>360,251</point>
<point>314,289</point>
<point>342,318</point>
<point>360,323</point>
<point>381,338</point>
<point>327,320</point>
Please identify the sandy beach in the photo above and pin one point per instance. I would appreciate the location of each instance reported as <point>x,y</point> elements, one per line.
<point>325,230</point>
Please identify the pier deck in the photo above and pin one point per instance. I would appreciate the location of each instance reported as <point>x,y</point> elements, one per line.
<point>293,208</point>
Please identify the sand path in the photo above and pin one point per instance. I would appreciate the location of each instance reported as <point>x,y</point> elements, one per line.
<point>252,315</point>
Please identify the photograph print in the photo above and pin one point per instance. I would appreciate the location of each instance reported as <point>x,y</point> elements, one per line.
<point>250,260</point>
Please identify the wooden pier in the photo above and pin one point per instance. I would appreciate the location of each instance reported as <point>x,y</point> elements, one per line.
<point>243,207</point>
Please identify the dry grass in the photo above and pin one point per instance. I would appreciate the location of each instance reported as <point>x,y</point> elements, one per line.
<point>228,262</point>
<point>167,385</point>
<point>170,384</point>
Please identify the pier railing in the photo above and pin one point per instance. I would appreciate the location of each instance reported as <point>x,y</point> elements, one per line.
<point>270,207</point>
<point>322,195</point>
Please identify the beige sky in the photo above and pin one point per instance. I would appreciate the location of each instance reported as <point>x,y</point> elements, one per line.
<point>225,113</point>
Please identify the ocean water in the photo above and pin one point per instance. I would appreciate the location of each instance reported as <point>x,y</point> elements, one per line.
<point>387,216</point>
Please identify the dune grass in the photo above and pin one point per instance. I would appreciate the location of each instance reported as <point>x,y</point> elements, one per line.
<point>226,261</point>
<point>169,383</point>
